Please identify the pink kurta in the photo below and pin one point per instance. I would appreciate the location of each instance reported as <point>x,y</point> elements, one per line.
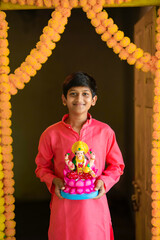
<point>79,219</point>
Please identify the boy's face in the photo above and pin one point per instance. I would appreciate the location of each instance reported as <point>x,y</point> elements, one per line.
<point>79,100</point>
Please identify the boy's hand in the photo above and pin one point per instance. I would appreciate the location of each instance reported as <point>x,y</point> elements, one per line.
<point>59,185</point>
<point>100,188</point>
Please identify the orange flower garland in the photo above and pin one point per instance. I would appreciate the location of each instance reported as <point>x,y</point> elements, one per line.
<point>156,144</point>
<point>40,54</point>
<point>55,3</point>
<point>115,38</point>
<point>6,164</point>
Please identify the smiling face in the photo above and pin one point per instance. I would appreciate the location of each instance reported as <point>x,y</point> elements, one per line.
<point>79,100</point>
<point>79,154</point>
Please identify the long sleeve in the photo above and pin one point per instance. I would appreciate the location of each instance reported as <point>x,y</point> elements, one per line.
<point>44,169</point>
<point>114,162</point>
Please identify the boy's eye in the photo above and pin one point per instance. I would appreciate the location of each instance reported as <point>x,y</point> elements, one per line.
<point>85,94</point>
<point>72,94</point>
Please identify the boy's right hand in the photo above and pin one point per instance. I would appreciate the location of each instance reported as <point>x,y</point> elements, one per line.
<point>59,185</point>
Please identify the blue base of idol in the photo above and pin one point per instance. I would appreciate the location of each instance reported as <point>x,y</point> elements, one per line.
<point>79,196</point>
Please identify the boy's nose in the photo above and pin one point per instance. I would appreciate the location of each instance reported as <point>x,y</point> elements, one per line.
<point>79,97</point>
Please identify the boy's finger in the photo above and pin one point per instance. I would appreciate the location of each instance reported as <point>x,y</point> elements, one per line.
<point>100,194</point>
<point>98,186</point>
<point>57,192</point>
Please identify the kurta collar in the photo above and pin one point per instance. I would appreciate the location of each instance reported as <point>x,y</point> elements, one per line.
<point>89,120</point>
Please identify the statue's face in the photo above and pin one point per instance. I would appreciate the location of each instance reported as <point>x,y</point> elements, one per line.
<point>79,154</point>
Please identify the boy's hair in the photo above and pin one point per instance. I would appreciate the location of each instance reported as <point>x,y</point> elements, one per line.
<point>79,79</point>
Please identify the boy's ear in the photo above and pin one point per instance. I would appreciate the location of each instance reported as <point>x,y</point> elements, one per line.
<point>94,100</point>
<point>64,100</point>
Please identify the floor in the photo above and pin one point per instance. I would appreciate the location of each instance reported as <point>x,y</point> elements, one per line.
<point>32,220</point>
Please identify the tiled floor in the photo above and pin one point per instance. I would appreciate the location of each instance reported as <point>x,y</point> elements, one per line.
<point>33,217</point>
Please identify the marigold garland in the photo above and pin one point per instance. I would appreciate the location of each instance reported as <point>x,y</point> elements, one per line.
<point>6,180</point>
<point>54,3</point>
<point>156,143</point>
<point>115,39</point>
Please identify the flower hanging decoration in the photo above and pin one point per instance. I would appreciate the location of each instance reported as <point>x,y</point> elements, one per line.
<point>55,3</point>
<point>156,143</point>
<point>10,83</point>
<point>6,164</point>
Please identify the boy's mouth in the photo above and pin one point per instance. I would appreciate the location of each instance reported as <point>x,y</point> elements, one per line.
<point>78,104</point>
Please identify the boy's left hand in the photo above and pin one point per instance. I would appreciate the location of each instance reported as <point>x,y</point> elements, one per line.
<point>100,188</point>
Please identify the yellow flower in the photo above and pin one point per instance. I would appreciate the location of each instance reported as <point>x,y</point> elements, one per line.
<point>6,131</point>
<point>102,15</point>
<point>86,7</point>
<point>73,3</point>
<point>2,15</point>
<point>97,8</point>
<point>13,89</point>
<point>8,182</point>
<point>111,42</point>
<point>131,48</point>
<point>4,69</point>
<point>8,190</point>
<point>117,48</point>
<point>125,42</point>
<point>107,22</point>
<point>4,97</point>
<point>4,87</point>
<point>8,157</point>
<point>28,69</point>
<point>10,224</point>
<point>2,227</point>
<point>4,51</point>
<point>3,34</point>
<point>123,54</point>
<point>3,78</point>
<point>1,211</point>
<point>131,60</point>
<point>9,199</point>
<point>53,23</point>
<point>1,201</point>
<point>5,123</point>
<point>10,215</point>
<point>5,105</point>
<point>100,29</point>
<point>33,62</point>
<point>119,35</point>
<point>91,14</point>
<point>1,175</point>
<point>56,15</point>
<point>2,218</point>
<point>9,208</point>
<point>8,174</point>
<point>139,64</point>
<point>4,60</point>
<point>155,232</point>
<point>1,168</point>
<point>146,57</point>
<point>105,36</point>
<point>10,232</point>
<point>138,53</point>
<point>83,3</point>
<point>2,235</point>
<point>48,3</point>
<point>65,4</point>
<point>95,22</point>
<point>113,29</point>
